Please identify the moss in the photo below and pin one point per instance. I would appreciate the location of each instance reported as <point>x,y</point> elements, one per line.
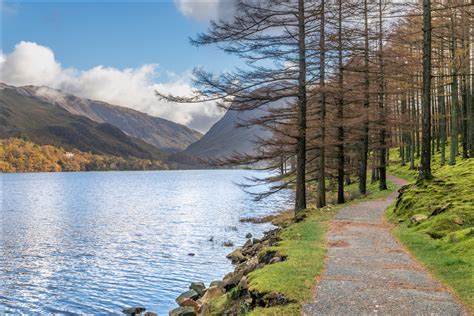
<point>288,310</point>
<point>445,241</point>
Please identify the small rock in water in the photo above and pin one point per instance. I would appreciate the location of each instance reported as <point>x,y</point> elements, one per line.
<point>211,239</point>
<point>231,228</point>
<point>249,235</point>
<point>191,254</point>
<point>228,243</point>
<point>134,310</point>
<point>150,314</point>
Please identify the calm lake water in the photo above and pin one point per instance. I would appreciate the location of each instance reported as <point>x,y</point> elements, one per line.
<point>99,242</point>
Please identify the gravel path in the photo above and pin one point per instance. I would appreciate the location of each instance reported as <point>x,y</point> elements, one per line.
<point>367,272</point>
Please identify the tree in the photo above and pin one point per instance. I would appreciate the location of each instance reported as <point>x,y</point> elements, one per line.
<point>425,167</point>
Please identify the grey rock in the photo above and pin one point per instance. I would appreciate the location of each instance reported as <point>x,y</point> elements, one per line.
<point>183,311</point>
<point>199,287</point>
<point>192,294</point>
<point>249,235</point>
<point>417,218</point>
<point>134,310</point>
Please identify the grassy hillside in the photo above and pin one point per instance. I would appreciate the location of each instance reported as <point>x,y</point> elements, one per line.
<point>444,240</point>
<point>48,124</point>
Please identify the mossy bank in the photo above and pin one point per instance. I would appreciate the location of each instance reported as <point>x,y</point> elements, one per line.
<point>435,219</point>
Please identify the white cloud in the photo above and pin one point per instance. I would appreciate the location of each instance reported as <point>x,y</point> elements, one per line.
<point>205,10</point>
<point>34,64</point>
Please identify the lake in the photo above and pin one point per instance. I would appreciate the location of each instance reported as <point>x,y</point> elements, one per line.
<point>99,242</point>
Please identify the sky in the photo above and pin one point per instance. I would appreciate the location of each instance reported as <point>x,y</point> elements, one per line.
<point>115,51</point>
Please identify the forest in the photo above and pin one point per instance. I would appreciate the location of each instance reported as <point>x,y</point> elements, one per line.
<point>342,82</point>
<point>19,155</point>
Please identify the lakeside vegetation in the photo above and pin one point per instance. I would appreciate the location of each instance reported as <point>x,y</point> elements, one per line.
<point>19,155</point>
<point>443,237</point>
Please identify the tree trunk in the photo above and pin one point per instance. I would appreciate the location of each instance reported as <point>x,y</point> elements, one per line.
<point>321,198</point>
<point>365,132</point>
<point>340,114</point>
<point>425,166</point>
<point>382,170</point>
<point>300,198</point>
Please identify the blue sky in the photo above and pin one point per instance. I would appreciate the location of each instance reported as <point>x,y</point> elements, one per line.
<point>120,34</point>
<point>117,52</point>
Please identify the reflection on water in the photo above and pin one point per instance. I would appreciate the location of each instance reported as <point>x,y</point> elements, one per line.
<point>102,241</point>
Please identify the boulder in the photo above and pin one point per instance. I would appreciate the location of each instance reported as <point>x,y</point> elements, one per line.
<point>249,235</point>
<point>232,279</point>
<point>219,284</point>
<point>458,221</point>
<point>244,284</point>
<point>188,302</point>
<point>192,294</point>
<point>275,260</point>
<point>212,293</point>
<point>247,266</point>
<point>417,218</point>
<point>150,314</point>
<point>248,244</point>
<point>205,310</point>
<point>236,256</point>
<point>183,311</point>
<point>134,310</point>
<point>199,287</point>
<point>441,209</point>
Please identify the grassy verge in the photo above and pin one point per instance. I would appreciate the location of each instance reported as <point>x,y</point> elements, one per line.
<point>304,246</point>
<point>444,240</point>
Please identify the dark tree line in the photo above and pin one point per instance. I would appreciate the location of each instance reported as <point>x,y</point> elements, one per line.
<point>340,82</point>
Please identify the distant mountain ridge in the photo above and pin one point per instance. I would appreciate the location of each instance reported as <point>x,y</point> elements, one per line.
<point>22,115</point>
<point>226,138</point>
<point>166,135</point>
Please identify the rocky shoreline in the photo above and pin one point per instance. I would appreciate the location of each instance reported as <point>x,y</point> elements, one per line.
<point>234,288</point>
<point>253,255</point>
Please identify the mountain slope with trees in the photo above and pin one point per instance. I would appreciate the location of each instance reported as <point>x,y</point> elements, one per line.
<point>48,124</point>
<point>165,135</point>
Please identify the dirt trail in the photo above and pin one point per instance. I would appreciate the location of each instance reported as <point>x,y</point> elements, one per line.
<point>367,272</point>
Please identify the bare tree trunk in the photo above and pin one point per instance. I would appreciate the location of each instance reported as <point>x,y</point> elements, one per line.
<point>340,114</point>
<point>300,199</point>
<point>321,201</point>
<point>454,101</point>
<point>425,167</point>
<point>365,132</point>
<point>382,155</point>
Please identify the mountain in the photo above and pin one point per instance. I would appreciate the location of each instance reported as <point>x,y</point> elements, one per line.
<point>165,135</point>
<point>225,138</point>
<point>22,115</point>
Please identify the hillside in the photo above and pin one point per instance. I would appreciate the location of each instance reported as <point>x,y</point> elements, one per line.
<point>46,123</point>
<point>165,135</point>
<point>18,155</point>
<point>226,138</point>
<point>435,219</point>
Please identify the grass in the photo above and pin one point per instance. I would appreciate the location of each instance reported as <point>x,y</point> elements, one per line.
<point>443,242</point>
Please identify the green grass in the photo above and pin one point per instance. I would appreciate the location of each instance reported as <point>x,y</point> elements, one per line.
<point>443,242</point>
